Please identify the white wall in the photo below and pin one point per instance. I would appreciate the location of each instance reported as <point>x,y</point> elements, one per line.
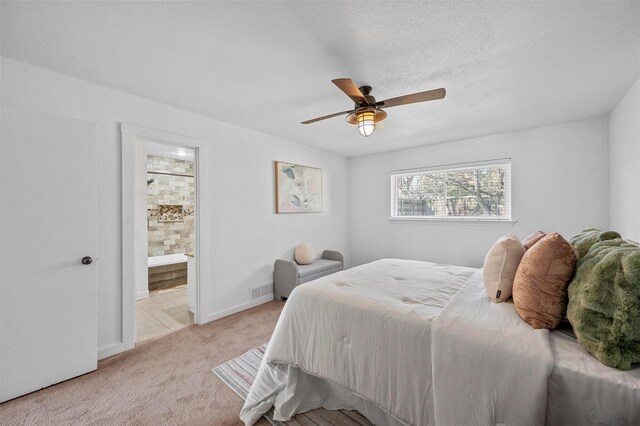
<point>624,165</point>
<point>559,179</point>
<point>246,233</point>
<point>559,183</point>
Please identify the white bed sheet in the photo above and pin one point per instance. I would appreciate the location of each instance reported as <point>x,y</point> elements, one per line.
<point>584,391</point>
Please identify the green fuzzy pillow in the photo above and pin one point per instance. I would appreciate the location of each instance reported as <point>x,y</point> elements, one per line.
<point>586,238</point>
<point>604,303</point>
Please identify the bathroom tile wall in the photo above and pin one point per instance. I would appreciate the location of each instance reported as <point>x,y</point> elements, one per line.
<point>170,237</point>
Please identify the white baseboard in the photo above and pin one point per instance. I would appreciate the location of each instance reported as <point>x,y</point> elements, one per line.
<point>238,308</point>
<point>113,349</point>
<point>142,294</point>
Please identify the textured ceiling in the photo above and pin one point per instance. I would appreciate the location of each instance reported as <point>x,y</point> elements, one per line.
<point>267,66</point>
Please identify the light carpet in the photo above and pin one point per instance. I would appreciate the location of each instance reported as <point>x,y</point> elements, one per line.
<point>239,374</point>
<point>163,381</point>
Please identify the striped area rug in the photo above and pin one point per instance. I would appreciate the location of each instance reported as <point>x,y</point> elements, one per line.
<point>239,374</point>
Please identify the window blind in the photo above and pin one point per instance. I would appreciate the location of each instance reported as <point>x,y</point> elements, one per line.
<point>480,190</point>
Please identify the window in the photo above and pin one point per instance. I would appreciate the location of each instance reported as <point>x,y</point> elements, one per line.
<point>476,191</point>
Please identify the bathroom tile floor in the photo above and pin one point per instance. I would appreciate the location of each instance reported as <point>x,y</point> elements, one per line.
<point>163,312</point>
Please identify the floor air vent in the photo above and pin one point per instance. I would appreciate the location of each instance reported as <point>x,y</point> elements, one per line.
<point>261,290</point>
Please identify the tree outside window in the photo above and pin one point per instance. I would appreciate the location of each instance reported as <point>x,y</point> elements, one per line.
<point>476,192</point>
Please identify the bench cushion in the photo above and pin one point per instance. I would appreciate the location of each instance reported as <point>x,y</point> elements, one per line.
<point>318,265</point>
<point>319,275</point>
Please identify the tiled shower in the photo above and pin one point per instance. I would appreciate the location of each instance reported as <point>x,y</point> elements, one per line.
<point>171,226</point>
<point>170,205</point>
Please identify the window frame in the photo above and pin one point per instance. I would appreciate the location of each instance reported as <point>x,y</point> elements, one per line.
<point>507,219</point>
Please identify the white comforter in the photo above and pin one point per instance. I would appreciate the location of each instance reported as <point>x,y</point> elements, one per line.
<point>366,339</point>
<point>367,329</point>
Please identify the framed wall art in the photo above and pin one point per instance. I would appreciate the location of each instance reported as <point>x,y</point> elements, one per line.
<point>298,188</point>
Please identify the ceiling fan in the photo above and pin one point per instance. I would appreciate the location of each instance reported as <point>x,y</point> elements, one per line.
<point>367,112</point>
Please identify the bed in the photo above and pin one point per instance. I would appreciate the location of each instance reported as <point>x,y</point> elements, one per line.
<point>409,342</point>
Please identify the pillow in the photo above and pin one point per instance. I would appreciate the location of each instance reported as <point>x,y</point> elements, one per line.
<point>540,286</point>
<point>604,303</point>
<point>304,254</point>
<point>532,238</point>
<point>586,238</point>
<point>500,266</point>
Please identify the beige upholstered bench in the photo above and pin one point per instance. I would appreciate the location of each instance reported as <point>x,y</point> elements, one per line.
<point>287,274</point>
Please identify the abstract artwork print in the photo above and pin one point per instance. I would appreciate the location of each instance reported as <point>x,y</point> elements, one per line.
<point>298,188</point>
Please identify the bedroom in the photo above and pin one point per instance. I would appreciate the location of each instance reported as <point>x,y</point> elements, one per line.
<point>553,87</point>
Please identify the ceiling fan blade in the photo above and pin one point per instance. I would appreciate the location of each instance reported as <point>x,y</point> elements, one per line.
<point>429,95</point>
<point>351,90</point>
<point>313,120</point>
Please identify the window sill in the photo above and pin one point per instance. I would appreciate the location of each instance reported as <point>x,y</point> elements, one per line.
<point>453,221</point>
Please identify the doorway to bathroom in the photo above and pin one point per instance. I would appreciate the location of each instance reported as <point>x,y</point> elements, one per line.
<point>164,228</point>
<point>168,300</point>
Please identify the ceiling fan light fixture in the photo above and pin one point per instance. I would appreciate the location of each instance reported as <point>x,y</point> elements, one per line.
<point>366,123</point>
<point>367,111</point>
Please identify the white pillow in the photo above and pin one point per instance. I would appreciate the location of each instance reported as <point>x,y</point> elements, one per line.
<point>304,254</point>
<point>500,267</point>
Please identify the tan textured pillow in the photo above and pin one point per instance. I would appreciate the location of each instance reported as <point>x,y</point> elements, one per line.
<point>532,238</point>
<point>500,266</point>
<point>540,287</point>
<point>304,254</point>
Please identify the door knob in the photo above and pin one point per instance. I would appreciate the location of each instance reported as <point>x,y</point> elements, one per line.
<point>87,260</point>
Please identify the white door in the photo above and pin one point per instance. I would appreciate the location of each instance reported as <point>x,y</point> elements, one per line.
<point>48,310</point>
